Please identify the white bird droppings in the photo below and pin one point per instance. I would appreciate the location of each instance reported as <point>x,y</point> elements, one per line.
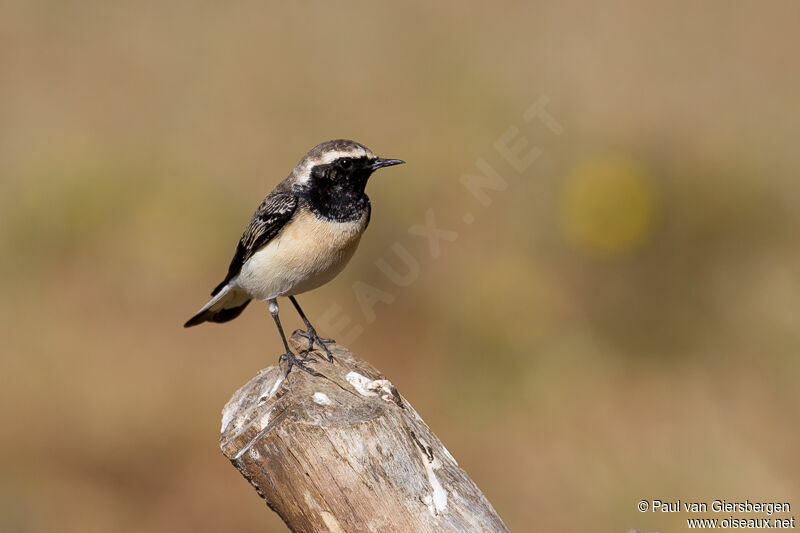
<point>386,387</point>
<point>439,496</point>
<point>368,387</point>
<point>437,500</point>
<point>321,398</point>
<point>360,383</point>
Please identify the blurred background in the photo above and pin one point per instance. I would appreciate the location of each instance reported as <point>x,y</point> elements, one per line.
<point>621,322</point>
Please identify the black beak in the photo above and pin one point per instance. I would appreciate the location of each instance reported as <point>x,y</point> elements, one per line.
<point>380,163</point>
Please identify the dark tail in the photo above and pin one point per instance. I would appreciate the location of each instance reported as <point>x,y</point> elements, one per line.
<point>227,304</point>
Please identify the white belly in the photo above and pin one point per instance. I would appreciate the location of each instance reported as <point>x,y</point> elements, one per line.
<point>307,253</point>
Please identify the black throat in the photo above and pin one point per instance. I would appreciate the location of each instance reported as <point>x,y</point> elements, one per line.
<point>341,207</point>
<point>336,195</point>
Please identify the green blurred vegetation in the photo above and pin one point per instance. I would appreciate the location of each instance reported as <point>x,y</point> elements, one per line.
<point>620,323</point>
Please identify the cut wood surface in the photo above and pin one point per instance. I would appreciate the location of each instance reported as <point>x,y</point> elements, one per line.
<point>346,452</point>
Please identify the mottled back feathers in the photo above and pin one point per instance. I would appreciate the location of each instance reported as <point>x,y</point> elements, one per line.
<point>268,220</point>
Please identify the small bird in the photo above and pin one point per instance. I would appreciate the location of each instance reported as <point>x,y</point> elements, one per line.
<point>300,237</point>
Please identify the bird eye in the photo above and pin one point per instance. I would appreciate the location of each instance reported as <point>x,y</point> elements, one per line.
<point>345,163</point>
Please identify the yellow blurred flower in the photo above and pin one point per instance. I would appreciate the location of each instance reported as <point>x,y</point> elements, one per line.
<point>607,206</point>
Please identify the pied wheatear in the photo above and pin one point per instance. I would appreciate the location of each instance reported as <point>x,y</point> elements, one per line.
<point>300,237</point>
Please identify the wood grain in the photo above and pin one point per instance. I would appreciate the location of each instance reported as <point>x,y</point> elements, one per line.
<point>346,452</point>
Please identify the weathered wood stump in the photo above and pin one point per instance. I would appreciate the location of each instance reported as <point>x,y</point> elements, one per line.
<point>346,452</point>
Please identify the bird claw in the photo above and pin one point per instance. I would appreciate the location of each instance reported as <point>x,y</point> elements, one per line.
<point>293,360</point>
<point>312,337</point>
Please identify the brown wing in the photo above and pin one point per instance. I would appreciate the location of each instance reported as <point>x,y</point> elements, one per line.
<point>273,213</point>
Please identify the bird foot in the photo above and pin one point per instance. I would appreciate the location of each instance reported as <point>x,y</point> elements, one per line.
<point>292,360</point>
<point>312,338</point>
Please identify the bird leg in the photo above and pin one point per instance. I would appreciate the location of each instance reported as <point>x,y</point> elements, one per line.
<point>290,358</point>
<point>310,334</point>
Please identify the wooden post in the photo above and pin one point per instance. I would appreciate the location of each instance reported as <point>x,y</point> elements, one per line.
<point>346,452</point>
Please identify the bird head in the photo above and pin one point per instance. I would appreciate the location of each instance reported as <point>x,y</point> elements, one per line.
<point>339,165</point>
